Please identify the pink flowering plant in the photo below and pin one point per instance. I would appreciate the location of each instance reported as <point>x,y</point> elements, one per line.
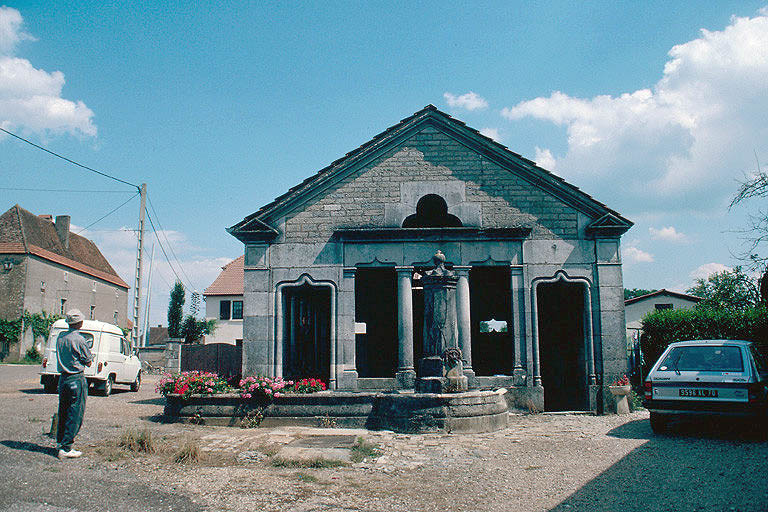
<point>308,386</point>
<point>191,383</point>
<point>623,381</point>
<point>263,387</point>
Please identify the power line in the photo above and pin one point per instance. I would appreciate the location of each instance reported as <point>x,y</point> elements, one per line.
<point>160,243</point>
<point>67,190</point>
<point>68,159</point>
<point>107,215</point>
<point>167,241</point>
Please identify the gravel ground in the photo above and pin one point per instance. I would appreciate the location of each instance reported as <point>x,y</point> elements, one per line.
<point>540,463</point>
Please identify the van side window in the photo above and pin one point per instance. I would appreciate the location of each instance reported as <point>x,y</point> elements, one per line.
<point>114,344</point>
<point>124,346</point>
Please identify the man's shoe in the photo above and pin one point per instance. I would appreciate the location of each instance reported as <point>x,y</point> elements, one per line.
<point>71,454</point>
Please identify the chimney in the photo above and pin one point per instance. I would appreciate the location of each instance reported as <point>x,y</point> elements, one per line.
<point>62,229</point>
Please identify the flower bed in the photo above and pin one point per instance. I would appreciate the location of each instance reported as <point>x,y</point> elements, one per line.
<point>186,384</point>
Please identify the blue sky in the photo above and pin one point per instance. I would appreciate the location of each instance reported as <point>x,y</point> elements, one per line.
<point>654,108</point>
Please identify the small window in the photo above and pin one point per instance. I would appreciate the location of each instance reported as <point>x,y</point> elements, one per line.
<point>224,310</point>
<point>93,312</point>
<point>66,277</point>
<point>662,307</point>
<point>94,286</point>
<point>115,317</point>
<point>63,307</point>
<point>237,310</point>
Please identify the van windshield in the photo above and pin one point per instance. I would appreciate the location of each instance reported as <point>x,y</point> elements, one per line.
<point>703,359</point>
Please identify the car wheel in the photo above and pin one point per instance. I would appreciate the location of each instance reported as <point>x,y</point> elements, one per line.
<point>137,383</point>
<point>108,385</point>
<point>658,423</point>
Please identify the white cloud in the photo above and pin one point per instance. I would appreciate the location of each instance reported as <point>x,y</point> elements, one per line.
<point>706,270</point>
<point>668,233</point>
<point>545,159</point>
<point>680,144</point>
<point>632,254</point>
<point>30,98</point>
<point>468,101</point>
<point>492,133</point>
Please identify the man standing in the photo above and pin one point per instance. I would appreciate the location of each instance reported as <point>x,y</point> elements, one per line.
<point>73,355</point>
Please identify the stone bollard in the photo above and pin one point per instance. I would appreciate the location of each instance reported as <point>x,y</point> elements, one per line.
<point>621,393</point>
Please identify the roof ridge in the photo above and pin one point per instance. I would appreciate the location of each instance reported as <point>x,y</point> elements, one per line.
<point>21,226</point>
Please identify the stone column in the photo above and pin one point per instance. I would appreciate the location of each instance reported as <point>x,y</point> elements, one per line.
<point>464,319</point>
<point>518,323</point>
<point>405,376</point>
<point>441,369</point>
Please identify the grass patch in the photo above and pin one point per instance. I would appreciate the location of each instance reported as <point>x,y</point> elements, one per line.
<point>363,449</point>
<point>306,477</point>
<point>188,451</point>
<point>314,463</point>
<point>139,441</point>
<point>269,450</point>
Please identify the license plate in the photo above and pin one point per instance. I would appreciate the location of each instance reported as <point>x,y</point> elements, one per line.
<point>699,393</point>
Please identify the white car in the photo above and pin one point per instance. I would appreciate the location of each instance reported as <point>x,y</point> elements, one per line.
<point>113,363</point>
<point>707,377</point>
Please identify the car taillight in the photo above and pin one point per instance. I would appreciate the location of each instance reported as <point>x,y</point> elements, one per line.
<point>99,368</point>
<point>45,362</point>
<point>648,390</point>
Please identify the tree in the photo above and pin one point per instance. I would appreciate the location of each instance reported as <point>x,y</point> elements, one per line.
<point>193,329</point>
<point>729,289</point>
<point>756,234</point>
<point>636,292</point>
<point>176,310</point>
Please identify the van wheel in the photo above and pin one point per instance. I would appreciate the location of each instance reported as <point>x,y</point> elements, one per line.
<point>658,423</point>
<point>137,383</point>
<point>108,385</point>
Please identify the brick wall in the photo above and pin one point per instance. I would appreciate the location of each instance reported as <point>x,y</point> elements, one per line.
<point>430,155</point>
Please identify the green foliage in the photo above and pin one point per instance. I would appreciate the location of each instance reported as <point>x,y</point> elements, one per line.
<point>729,289</point>
<point>176,310</point>
<point>636,292</point>
<point>32,356</point>
<point>40,323</point>
<point>10,330</point>
<point>660,328</point>
<point>193,329</point>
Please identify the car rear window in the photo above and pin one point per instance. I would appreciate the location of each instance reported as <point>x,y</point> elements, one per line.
<point>704,359</point>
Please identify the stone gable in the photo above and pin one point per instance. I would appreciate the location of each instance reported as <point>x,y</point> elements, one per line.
<point>501,198</point>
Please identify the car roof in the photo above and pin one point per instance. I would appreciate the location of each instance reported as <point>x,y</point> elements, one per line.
<point>91,325</point>
<point>693,343</point>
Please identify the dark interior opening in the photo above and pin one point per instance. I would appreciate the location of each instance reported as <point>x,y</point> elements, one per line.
<point>432,212</point>
<point>307,333</point>
<point>376,305</point>
<point>490,299</point>
<point>560,308</point>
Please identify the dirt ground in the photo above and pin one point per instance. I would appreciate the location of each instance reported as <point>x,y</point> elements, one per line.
<point>546,462</point>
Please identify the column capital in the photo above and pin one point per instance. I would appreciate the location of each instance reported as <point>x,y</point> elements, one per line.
<point>462,270</point>
<point>349,272</point>
<point>403,269</point>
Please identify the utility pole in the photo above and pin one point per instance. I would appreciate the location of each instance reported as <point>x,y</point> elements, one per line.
<point>145,328</point>
<point>139,251</point>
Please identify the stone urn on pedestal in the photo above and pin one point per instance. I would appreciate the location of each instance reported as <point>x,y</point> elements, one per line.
<point>621,389</point>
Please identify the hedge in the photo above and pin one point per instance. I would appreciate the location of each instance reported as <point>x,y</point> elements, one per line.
<point>660,328</point>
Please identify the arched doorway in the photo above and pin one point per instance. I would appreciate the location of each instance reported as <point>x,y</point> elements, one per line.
<point>306,332</point>
<point>564,347</point>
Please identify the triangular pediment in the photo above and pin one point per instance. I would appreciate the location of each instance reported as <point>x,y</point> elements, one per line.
<point>609,225</point>
<point>259,225</point>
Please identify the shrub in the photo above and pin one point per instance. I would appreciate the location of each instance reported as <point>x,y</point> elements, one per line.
<point>137,441</point>
<point>262,387</point>
<point>308,386</point>
<point>32,356</point>
<point>661,328</point>
<point>189,383</point>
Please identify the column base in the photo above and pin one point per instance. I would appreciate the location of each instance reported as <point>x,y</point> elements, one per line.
<point>519,376</point>
<point>469,373</point>
<point>347,380</point>
<point>405,379</point>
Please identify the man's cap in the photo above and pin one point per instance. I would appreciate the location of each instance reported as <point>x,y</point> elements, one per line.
<point>74,316</point>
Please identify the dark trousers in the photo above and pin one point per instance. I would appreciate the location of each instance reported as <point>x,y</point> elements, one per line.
<point>73,391</point>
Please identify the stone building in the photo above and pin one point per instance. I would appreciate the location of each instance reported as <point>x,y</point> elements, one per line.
<point>332,271</point>
<point>46,268</point>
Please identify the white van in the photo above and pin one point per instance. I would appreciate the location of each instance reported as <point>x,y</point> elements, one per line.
<point>113,362</point>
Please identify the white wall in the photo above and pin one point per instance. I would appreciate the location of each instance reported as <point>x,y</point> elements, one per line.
<point>227,331</point>
<point>637,310</point>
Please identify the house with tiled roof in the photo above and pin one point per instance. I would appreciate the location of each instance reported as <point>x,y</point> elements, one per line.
<point>224,303</point>
<point>637,307</point>
<point>47,268</point>
<point>334,270</point>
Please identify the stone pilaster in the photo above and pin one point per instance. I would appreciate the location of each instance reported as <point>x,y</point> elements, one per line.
<point>463,319</point>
